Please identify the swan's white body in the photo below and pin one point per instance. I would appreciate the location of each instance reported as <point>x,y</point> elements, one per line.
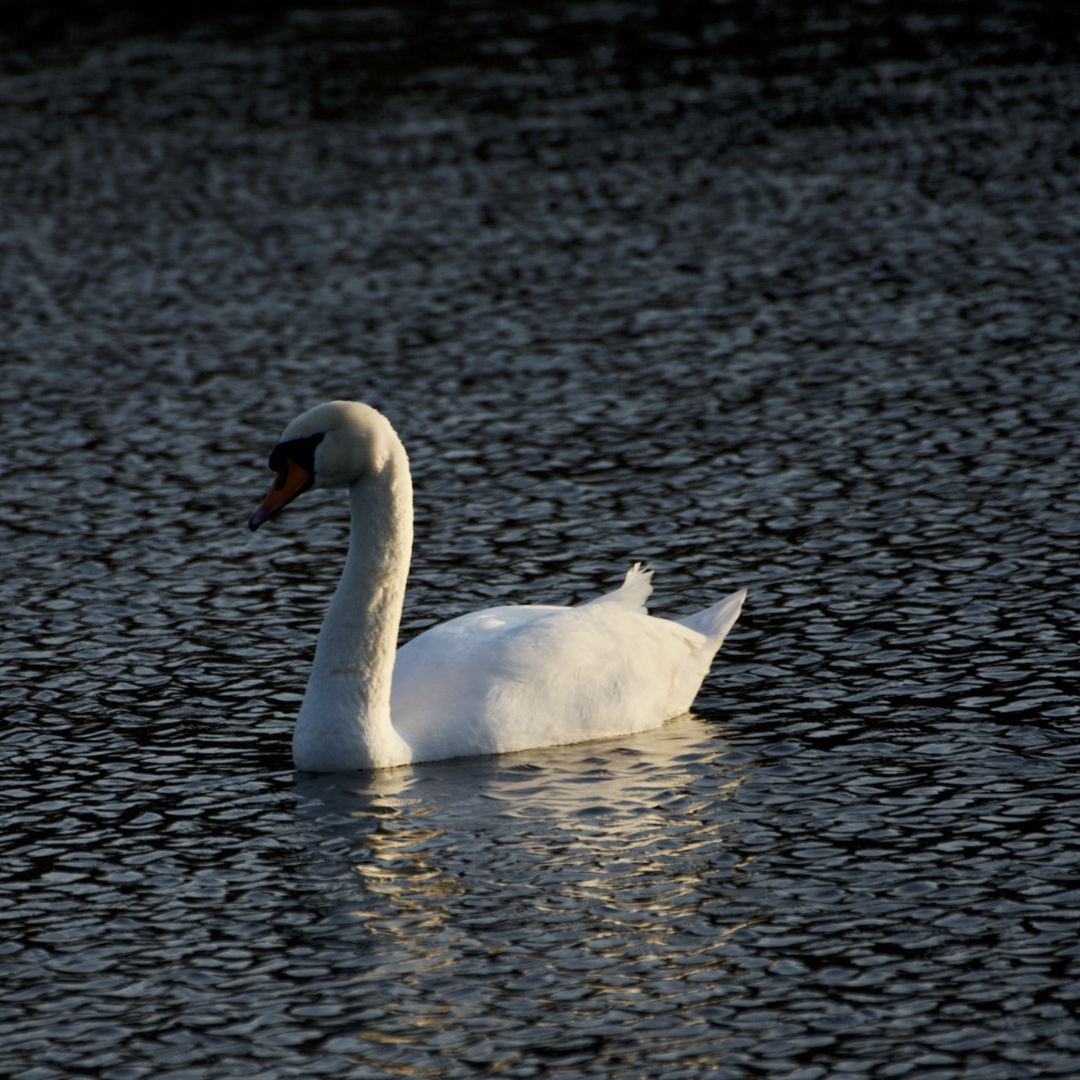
<point>504,679</point>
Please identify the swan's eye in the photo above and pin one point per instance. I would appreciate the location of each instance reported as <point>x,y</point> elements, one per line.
<point>302,451</point>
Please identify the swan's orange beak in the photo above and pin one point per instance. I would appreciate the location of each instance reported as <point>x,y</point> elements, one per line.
<point>291,481</point>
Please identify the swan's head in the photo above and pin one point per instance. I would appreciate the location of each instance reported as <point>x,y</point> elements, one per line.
<point>331,445</point>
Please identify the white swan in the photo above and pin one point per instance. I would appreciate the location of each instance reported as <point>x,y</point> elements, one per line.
<point>508,678</point>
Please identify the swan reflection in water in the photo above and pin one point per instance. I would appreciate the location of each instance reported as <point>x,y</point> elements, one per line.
<point>630,828</point>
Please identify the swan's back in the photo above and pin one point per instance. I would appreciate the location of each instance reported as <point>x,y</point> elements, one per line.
<point>512,678</point>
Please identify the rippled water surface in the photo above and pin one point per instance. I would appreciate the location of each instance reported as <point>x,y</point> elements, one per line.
<point>628,292</point>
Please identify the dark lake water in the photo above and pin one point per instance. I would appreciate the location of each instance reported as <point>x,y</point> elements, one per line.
<point>781,301</point>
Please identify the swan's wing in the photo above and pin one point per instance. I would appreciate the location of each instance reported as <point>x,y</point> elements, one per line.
<point>632,593</point>
<point>440,676</point>
<point>519,677</point>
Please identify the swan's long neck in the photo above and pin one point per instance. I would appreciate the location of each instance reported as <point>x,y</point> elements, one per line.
<point>344,723</point>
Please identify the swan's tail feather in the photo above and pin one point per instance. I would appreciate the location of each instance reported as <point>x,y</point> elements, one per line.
<point>633,592</point>
<point>716,621</point>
